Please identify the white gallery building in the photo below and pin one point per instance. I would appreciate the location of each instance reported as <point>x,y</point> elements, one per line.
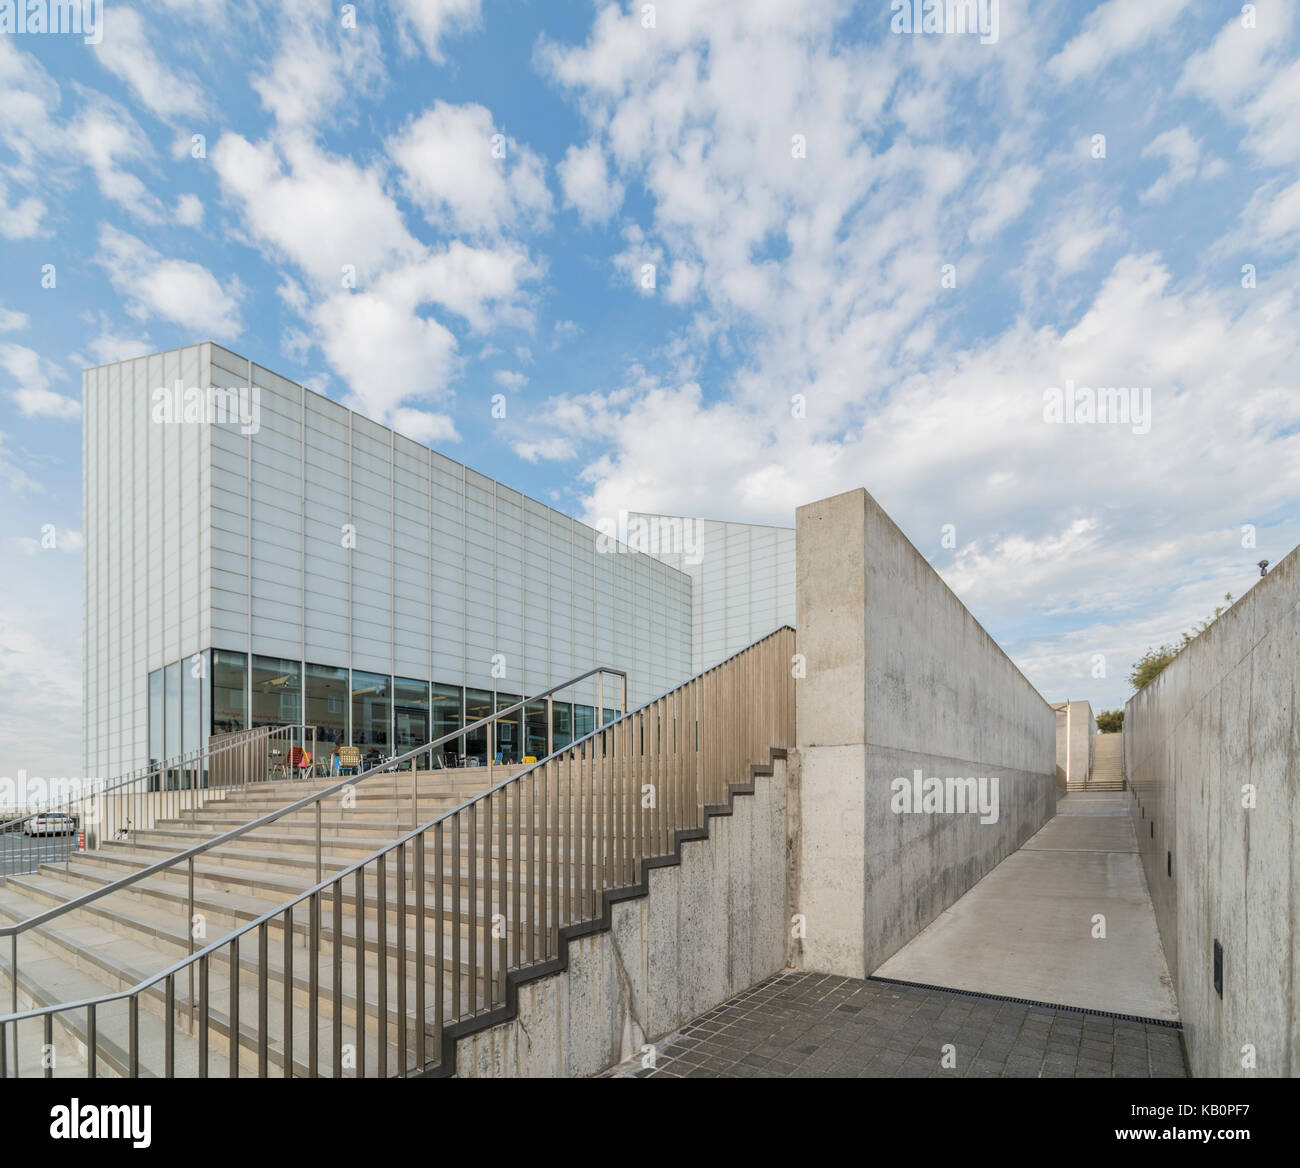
<point>257,554</point>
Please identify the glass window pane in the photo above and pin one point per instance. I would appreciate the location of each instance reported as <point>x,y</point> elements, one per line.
<point>172,710</point>
<point>172,721</point>
<point>508,732</point>
<point>192,673</point>
<point>584,721</point>
<point>478,704</point>
<point>561,724</point>
<point>371,716</point>
<point>411,717</point>
<point>536,729</point>
<point>229,691</point>
<point>277,692</point>
<point>446,719</point>
<point>326,690</point>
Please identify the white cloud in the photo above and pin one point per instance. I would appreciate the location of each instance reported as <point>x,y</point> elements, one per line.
<point>319,64</point>
<point>156,287</point>
<point>547,450</point>
<point>369,283</point>
<point>1004,200</point>
<point>508,379</point>
<point>31,374</point>
<point>321,212</point>
<point>1111,31</point>
<point>12,321</point>
<point>587,184</point>
<point>424,426</point>
<point>21,221</point>
<point>189,210</point>
<point>463,179</point>
<point>432,21</point>
<point>103,135</point>
<point>64,541</point>
<point>1183,154</point>
<point>126,52</point>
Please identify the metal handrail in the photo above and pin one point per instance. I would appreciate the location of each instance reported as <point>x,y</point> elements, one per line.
<point>384,767</point>
<point>180,762</point>
<point>767,683</point>
<point>128,802</point>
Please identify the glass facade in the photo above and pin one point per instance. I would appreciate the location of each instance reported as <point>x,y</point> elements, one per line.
<point>371,715</point>
<point>276,692</point>
<point>561,724</point>
<point>229,691</point>
<point>411,717</point>
<point>535,729</point>
<point>478,704</point>
<point>446,719</point>
<point>326,695</point>
<point>216,692</point>
<point>508,730</point>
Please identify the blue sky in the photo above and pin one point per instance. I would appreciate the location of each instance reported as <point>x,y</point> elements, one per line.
<point>496,177</point>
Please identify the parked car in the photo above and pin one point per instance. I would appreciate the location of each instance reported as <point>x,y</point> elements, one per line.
<point>50,823</point>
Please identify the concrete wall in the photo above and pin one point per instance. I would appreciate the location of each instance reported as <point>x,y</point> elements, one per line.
<point>900,677</point>
<point>1076,735</point>
<point>710,927</point>
<point>1220,718</point>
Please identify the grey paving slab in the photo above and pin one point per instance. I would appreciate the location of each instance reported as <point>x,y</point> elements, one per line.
<point>1026,930</point>
<point>811,1025</point>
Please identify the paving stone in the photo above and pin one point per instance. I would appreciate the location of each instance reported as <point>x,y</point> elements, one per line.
<point>810,1026</point>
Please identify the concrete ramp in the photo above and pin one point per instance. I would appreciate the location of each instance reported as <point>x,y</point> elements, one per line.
<point>1026,929</point>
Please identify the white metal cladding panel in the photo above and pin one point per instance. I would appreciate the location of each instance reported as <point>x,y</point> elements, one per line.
<point>461,567</point>
<point>276,519</point>
<point>146,567</point>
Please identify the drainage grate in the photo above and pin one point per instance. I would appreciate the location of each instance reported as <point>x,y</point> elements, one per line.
<point>917,985</point>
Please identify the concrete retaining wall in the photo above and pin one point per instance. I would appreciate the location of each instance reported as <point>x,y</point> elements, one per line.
<point>1076,735</point>
<point>710,927</point>
<point>900,677</point>
<point>1219,719</point>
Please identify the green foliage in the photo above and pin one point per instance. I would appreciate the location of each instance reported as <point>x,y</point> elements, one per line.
<point>1110,721</point>
<point>1150,665</point>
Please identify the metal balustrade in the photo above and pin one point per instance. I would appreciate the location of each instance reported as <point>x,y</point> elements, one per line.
<point>379,967</point>
<point>102,811</point>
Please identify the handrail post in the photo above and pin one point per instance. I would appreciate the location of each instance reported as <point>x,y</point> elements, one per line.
<point>550,732</point>
<point>318,860</point>
<point>189,933</point>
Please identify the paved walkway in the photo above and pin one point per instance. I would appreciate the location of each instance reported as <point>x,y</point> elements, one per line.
<point>1026,929</point>
<point>802,1025</point>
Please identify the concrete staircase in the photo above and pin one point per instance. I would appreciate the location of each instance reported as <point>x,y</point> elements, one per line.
<point>135,932</point>
<point>1107,772</point>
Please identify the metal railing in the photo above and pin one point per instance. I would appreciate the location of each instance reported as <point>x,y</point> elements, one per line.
<point>345,787</point>
<point>93,811</point>
<point>381,966</point>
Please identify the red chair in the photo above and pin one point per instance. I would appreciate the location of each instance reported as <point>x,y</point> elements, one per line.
<point>299,761</point>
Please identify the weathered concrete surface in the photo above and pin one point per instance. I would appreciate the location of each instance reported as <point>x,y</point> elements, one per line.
<point>1218,729</point>
<point>708,929</point>
<point>1029,928</point>
<point>900,677</point>
<point>1076,734</point>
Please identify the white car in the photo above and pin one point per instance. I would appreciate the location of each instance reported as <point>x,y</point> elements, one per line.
<point>51,823</point>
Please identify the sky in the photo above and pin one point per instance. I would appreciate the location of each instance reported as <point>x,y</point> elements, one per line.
<point>719,257</point>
